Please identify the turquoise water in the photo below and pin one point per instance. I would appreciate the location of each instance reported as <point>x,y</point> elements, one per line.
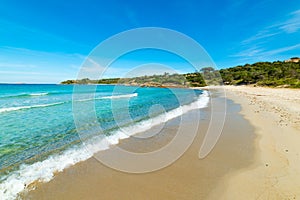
<point>36,121</point>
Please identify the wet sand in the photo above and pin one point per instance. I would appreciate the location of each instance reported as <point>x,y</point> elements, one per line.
<point>188,178</point>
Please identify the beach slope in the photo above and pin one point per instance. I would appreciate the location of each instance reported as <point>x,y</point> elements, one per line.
<point>275,114</point>
<point>188,178</point>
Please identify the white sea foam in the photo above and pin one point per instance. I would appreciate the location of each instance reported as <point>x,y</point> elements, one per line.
<point>145,125</point>
<point>41,171</point>
<point>44,171</point>
<point>121,96</point>
<point>9,109</point>
<point>110,97</point>
<point>25,95</point>
<point>39,94</point>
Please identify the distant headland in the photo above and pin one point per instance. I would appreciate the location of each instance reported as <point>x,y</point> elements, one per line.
<point>273,74</point>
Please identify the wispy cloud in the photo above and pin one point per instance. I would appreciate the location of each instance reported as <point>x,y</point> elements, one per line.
<point>37,66</point>
<point>19,72</point>
<point>290,25</point>
<point>259,54</point>
<point>30,52</point>
<point>266,33</point>
<point>16,65</point>
<point>258,51</point>
<point>252,51</point>
<point>281,50</point>
<point>271,41</point>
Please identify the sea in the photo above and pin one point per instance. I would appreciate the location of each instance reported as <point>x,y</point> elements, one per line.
<point>41,133</point>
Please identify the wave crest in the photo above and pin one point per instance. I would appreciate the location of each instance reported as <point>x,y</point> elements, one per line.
<point>28,107</point>
<point>110,97</point>
<point>39,94</point>
<point>44,170</point>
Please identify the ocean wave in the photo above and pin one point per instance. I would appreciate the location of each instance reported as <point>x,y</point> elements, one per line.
<point>110,97</point>
<point>121,96</point>
<point>40,171</point>
<point>9,109</point>
<point>25,95</point>
<point>43,171</point>
<point>145,125</point>
<point>33,94</point>
<point>38,94</point>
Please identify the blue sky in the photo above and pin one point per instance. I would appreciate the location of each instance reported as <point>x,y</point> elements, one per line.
<point>47,41</point>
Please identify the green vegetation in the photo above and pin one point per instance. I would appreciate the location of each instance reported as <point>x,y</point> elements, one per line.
<point>108,81</point>
<point>165,80</point>
<point>211,77</point>
<point>88,81</point>
<point>272,74</point>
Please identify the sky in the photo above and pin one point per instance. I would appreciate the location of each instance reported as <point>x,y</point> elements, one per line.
<point>48,41</point>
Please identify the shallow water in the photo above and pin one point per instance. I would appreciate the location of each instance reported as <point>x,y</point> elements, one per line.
<point>37,131</point>
<point>187,178</point>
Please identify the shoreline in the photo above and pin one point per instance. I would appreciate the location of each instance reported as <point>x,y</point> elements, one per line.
<point>257,156</point>
<point>188,178</point>
<point>275,174</point>
<point>27,176</point>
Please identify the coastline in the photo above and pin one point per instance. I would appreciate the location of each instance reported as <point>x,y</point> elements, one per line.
<point>188,178</point>
<point>257,156</point>
<point>27,175</point>
<point>275,174</point>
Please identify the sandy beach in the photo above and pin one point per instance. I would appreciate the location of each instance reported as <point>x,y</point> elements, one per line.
<point>256,157</point>
<point>275,114</point>
<point>150,100</point>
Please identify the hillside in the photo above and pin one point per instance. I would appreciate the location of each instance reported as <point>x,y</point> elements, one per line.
<point>272,74</point>
<point>165,80</point>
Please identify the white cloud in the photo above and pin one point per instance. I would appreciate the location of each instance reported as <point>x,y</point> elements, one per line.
<point>277,35</point>
<point>261,54</point>
<point>260,35</point>
<point>253,51</point>
<point>4,50</point>
<point>291,25</point>
<point>17,64</point>
<point>19,72</point>
<point>283,49</point>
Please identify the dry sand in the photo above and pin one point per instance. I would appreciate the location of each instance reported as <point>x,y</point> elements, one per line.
<point>275,114</point>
